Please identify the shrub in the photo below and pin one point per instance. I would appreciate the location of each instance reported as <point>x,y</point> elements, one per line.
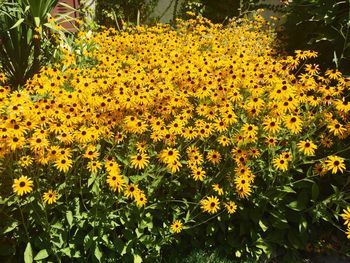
<point>115,13</point>
<point>198,135</point>
<point>323,26</point>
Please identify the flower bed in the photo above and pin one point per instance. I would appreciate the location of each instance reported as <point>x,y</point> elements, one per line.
<point>140,139</point>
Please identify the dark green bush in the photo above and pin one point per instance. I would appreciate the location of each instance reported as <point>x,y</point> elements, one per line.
<point>113,12</point>
<point>320,25</point>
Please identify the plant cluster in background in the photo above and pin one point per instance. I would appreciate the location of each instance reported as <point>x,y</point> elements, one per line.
<point>28,37</point>
<point>195,135</point>
<point>23,38</point>
<point>321,25</point>
<point>116,13</point>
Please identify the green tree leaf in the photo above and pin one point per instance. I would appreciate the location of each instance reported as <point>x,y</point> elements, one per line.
<point>9,228</point>
<point>98,253</point>
<point>41,255</point>
<point>69,216</point>
<point>137,258</point>
<point>28,254</point>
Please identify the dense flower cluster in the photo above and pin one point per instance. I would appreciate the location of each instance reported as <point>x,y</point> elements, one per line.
<point>204,102</point>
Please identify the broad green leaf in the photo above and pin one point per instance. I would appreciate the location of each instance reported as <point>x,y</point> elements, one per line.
<point>263,226</point>
<point>303,225</point>
<point>42,254</point>
<point>137,258</point>
<point>9,228</point>
<point>20,21</point>
<point>69,216</point>
<point>98,253</point>
<point>67,251</point>
<point>28,254</point>
<point>288,189</point>
<point>37,21</point>
<point>295,206</point>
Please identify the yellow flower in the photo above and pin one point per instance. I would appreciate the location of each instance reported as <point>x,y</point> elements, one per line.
<point>346,216</point>
<point>50,197</point>
<point>176,226</point>
<point>140,199</point>
<point>169,155</point>
<point>214,157</point>
<point>198,173</point>
<point>131,191</point>
<point>140,160</point>
<point>231,207</point>
<point>307,147</point>
<point>22,185</point>
<point>25,161</point>
<point>210,204</point>
<point>218,189</point>
<point>335,163</point>
<point>280,163</point>
<point>63,164</point>
<point>116,182</point>
<point>94,166</point>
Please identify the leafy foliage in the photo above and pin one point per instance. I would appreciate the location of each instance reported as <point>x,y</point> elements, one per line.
<point>115,13</point>
<point>322,25</point>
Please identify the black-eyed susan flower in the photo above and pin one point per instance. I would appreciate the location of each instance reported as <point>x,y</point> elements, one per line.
<point>116,182</point>
<point>214,157</point>
<point>169,155</point>
<point>93,166</point>
<point>140,160</point>
<point>271,125</point>
<point>131,191</point>
<point>293,123</point>
<point>25,161</point>
<point>307,147</point>
<point>346,216</point>
<point>50,197</point>
<point>63,164</point>
<point>335,164</point>
<point>218,189</point>
<point>198,174</point>
<point>176,226</point>
<point>336,128</point>
<point>280,163</point>
<point>224,140</point>
<point>231,207</point>
<point>22,185</point>
<point>140,199</point>
<point>210,204</point>
<point>244,192</point>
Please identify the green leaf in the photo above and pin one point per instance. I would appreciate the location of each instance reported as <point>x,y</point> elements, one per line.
<point>9,228</point>
<point>98,253</point>
<point>37,21</point>
<point>303,225</point>
<point>92,179</point>
<point>28,254</point>
<point>263,226</point>
<point>20,21</point>
<point>296,206</point>
<point>288,189</point>
<point>137,258</point>
<point>69,216</point>
<point>67,251</point>
<point>41,255</point>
